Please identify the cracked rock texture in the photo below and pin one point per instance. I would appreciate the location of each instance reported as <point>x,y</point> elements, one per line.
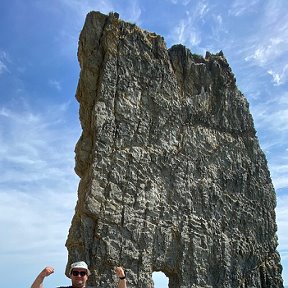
<point>172,175</point>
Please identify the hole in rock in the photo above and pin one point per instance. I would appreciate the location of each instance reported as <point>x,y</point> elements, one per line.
<point>160,280</point>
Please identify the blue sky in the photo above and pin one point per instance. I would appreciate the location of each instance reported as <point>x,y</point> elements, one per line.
<point>39,124</point>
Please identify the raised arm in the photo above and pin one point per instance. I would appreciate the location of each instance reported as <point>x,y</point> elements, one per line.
<point>38,282</point>
<point>121,274</point>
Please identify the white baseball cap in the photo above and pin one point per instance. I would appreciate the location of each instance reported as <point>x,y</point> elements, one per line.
<point>81,265</point>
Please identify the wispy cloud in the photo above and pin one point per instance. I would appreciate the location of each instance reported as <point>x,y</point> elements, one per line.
<point>131,11</point>
<point>3,67</point>
<point>34,149</point>
<point>4,59</point>
<point>266,51</point>
<point>133,15</point>
<point>37,185</point>
<point>37,225</point>
<point>82,7</point>
<point>55,84</point>
<point>279,172</point>
<point>273,118</point>
<point>282,223</point>
<point>180,34</point>
<point>269,45</point>
<point>240,7</point>
<point>73,14</point>
<point>182,2</point>
<point>282,216</point>
<point>186,31</point>
<point>35,211</point>
<point>279,77</point>
<point>272,121</point>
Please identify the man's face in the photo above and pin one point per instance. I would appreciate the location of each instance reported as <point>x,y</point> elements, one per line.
<point>79,277</point>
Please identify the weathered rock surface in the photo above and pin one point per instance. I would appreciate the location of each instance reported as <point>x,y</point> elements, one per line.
<point>172,175</point>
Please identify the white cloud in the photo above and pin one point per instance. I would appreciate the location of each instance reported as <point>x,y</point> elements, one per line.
<point>73,16</point>
<point>280,181</point>
<point>131,11</point>
<point>279,77</point>
<point>241,7</point>
<point>35,211</point>
<point>134,13</point>
<point>183,34</point>
<point>4,55</point>
<point>283,98</point>
<point>273,10</point>
<point>267,48</point>
<point>272,114</point>
<point>55,84</point>
<point>219,19</point>
<point>183,2</point>
<point>202,9</point>
<point>267,51</point>
<point>275,120</point>
<point>276,77</point>
<point>279,174</point>
<point>4,59</point>
<point>271,119</point>
<point>3,67</point>
<point>186,31</point>
<point>38,187</point>
<point>282,216</point>
<point>282,224</point>
<point>82,7</point>
<point>36,147</point>
<point>36,224</point>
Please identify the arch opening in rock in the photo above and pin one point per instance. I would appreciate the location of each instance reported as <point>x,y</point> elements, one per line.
<point>160,279</point>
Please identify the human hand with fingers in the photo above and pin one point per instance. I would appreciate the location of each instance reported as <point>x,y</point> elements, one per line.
<point>120,272</point>
<point>47,271</point>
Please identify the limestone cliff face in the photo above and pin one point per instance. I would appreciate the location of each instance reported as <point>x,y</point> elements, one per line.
<point>172,175</point>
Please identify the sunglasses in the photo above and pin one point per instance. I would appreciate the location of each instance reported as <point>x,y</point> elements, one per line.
<point>76,273</point>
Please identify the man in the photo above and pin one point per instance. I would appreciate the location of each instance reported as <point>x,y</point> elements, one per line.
<point>78,274</point>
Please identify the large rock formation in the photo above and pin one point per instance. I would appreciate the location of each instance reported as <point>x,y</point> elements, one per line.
<point>172,175</point>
